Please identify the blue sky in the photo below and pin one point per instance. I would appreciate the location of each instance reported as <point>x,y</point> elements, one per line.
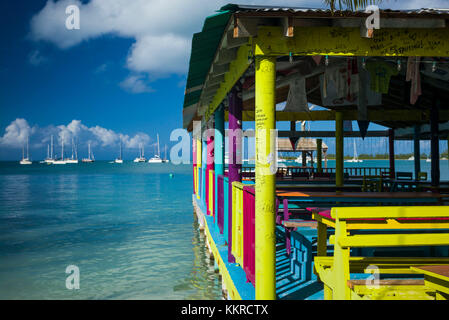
<point>121,76</point>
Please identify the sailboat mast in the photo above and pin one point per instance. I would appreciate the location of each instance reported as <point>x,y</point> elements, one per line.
<point>158,151</point>
<point>120,149</point>
<point>51,146</point>
<point>72,148</point>
<point>62,148</point>
<point>76,151</point>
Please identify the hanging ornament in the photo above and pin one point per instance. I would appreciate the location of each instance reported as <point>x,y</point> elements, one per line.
<point>399,65</point>
<point>290,57</point>
<point>326,60</point>
<point>363,63</point>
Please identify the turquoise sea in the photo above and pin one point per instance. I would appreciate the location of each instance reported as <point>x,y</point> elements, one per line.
<point>130,229</point>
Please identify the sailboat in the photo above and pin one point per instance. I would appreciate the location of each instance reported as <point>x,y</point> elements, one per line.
<point>61,161</point>
<point>119,160</point>
<point>73,159</point>
<point>50,159</point>
<point>411,158</point>
<point>355,158</point>
<point>141,157</point>
<point>27,159</point>
<point>90,155</point>
<point>165,159</point>
<point>157,157</point>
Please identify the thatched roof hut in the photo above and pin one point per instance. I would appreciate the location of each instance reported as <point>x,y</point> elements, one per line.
<point>308,144</point>
<point>303,144</point>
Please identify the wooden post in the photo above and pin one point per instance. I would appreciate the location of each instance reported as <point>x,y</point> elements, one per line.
<point>199,182</point>
<point>435,144</point>
<point>339,151</point>
<point>218,153</point>
<point>209,165</point>
<point>391,153</point>
<point>319,152</point>
<point>417,151</point>
<point>203,172</point>
<point>265,178</point>
<point>194,163</point>
<point>234,141</point>
<point>219,141</point>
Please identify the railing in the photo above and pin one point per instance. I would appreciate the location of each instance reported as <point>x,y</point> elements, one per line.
<point>211,193</point>
<point>249,172</point>
<point>237,222</point>
<point>249,236</point>
<point>220,202</point>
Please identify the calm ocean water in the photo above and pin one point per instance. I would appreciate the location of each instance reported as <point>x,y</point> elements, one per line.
<point>129,228</point>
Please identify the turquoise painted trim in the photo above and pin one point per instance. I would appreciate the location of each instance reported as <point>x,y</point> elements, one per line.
<point>225,206</point>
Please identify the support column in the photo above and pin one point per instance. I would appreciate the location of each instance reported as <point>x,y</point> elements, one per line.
<point>235,144</point>
<point>417,150</point>
<point>194,164</point>
<point>339,151</point>
<point>199,156</point>
<point>203,171</point>
<point>210,164</point>
<point>265,179</point>
<point>219,141</point>
<point>391,153</point>
<point>218,153</point>
<point>435,144</point>
<point>319,155</point>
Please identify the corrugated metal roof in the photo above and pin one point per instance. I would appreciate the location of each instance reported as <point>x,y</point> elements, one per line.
<point>235,8</point>
<point>204,46</point>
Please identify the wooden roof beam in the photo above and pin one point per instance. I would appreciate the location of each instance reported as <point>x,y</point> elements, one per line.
<point>386,115</point>
<point>232,42</point>
<point>220,69</point>
<point>225,56</point>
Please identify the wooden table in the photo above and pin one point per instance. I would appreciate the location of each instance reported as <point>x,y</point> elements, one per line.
<point>436,277</point>
<point>359,197</point>
<point>318,187</point>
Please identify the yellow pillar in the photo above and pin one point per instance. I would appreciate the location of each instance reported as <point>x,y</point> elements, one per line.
<point>265,179</point>
<point>339,149</point>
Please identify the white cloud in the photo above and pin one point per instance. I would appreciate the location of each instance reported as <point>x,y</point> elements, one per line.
<point>160,55</point>
<point>135,84</point>
<point>162,28</point>
<point>17,131</point>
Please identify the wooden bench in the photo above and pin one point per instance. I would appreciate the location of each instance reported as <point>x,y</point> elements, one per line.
<point>388,227</point>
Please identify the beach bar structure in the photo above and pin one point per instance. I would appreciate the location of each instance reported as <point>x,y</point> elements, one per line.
<point>248,59</point>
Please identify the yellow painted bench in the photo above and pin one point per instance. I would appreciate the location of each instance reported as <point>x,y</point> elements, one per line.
<point>335,271</point>
<point>237,221</point>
